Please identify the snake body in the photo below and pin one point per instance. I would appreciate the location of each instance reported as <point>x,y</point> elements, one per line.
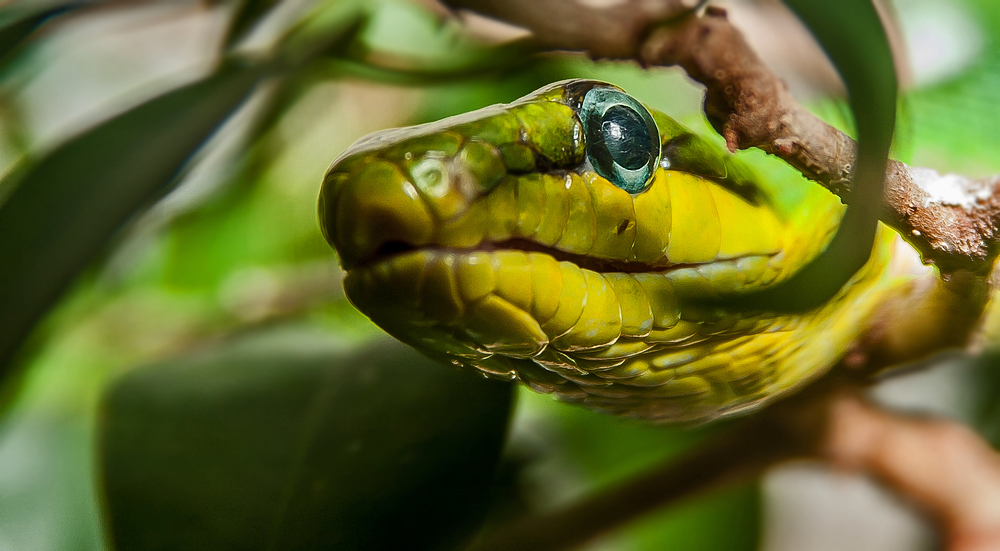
<point>571,239</point>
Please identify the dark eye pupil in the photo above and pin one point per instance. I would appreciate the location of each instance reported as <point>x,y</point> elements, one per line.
<point>626,137</point>
<point>623,143</point>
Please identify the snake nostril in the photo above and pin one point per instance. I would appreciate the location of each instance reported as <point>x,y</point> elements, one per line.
<point>623,226</point>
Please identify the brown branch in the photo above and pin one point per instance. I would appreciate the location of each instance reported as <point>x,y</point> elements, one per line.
<point>953,223</point>
<point>944,468</point>
<point>743,452</point>
<point>941,466</point>
<point>723,461</point>
<point>614,30</point>
<point>750,107</point>
<point>746,103</point>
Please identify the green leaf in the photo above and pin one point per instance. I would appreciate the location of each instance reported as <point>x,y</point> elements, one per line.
<point>47,482</point>
<point>18,21</point>
<point>329,29</point>
<point>984,372</point>
<point>573,451</point>
<point>467,64</point>
<point>63,209</point>
<point>246,18</point>
<point>285,440</point>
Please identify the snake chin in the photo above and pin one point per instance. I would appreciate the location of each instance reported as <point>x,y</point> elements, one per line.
<point>613,341</point>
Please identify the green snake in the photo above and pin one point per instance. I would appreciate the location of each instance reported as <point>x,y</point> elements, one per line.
<point>571,239</point>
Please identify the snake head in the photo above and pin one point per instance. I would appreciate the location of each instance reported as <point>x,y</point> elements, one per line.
<point>564,240</point>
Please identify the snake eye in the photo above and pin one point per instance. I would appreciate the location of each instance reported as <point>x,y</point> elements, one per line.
<point>623,143</point>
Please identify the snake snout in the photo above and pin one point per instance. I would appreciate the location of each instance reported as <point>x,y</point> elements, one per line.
<point>395,201</point>
<point>372,213</point>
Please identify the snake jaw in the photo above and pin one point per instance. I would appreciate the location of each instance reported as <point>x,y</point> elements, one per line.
<point>488,242</point>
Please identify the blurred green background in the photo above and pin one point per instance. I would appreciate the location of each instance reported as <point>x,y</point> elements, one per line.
<point>215,313</point>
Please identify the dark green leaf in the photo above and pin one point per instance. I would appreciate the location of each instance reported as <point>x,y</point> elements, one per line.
<point>47,482</point>
<point>329,30</point>
<point>18,21</point>
<point>284,440</point>
<point>63,209</point>
<point>464,65</point>
<point>985,403</point>
<point>246,18</point>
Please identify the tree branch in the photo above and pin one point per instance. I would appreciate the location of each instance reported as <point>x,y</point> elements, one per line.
<point>951,221</point>
<point>941,466</point>
<point>743,452</point>
<point>944,468</point>
<point>613,29</point>
<point>723,461</point>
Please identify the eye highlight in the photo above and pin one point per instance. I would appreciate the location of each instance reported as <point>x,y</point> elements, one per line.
<point>623,144</point>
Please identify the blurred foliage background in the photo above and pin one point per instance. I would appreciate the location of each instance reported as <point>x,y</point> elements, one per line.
<point>196,379</point>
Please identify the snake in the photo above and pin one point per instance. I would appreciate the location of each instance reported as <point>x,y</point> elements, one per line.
<point>582,243</point>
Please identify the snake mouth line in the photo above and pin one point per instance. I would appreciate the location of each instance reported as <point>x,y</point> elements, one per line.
<point>599,265</point>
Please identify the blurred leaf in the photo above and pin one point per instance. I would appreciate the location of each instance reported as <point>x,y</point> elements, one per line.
<point>18,21</point>
<point>410,38</point>
<point>284,440</point>
<point>954,122</point>
<point>985,403</point>
<point>465,64</point>
<point>328,30</point>
<point>47,483</point>
<point>246,18</point>
<point>65,207</point>
<point>729,519</point>
<point>573,451</point>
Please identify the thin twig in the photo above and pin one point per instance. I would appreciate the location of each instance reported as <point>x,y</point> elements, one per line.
<point>784,431</point>
<point>725,460</point>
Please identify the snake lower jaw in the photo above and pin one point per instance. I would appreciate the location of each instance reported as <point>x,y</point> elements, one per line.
<point>390,249</point>
<point>507,301</point>
<point>515,297</point>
